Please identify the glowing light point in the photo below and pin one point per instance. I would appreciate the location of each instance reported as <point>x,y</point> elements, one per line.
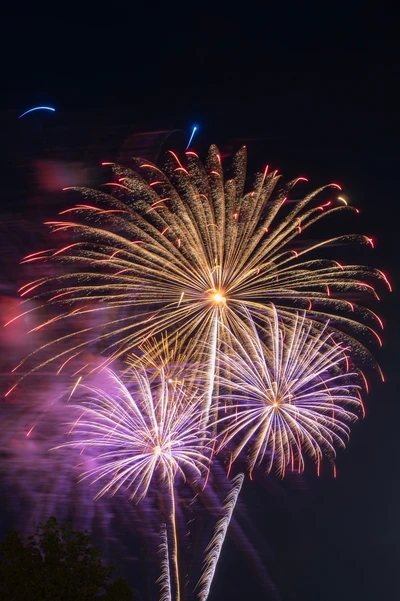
<point>157,451</point>
<point>38,108</point>
<point>192,135</point>
<point>218,298</point>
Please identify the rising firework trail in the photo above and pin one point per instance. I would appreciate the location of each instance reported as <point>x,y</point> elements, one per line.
<point>213,550</point>
<point>163,250</point>
<point>291,397</point>
<point>165,578</point>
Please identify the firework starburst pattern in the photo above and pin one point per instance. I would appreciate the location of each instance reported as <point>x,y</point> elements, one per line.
<point>219,333</point>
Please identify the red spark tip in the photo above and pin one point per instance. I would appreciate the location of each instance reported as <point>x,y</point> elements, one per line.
<point>386,280</point>
<point>333,185</point>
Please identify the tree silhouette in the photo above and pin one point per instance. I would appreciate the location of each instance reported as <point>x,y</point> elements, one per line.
<point>56,564</point>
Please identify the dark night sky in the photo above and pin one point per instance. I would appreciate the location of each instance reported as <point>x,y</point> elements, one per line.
<point>315,92</point>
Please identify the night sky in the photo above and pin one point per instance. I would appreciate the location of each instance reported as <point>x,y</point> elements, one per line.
<point>312,92</point>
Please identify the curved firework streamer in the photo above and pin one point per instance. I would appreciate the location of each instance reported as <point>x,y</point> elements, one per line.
<point>290,397</point>
<point>158,253</point>
<point>213,550</point>
<point>38,108</point>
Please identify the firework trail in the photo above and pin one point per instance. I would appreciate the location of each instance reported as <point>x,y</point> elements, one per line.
<point>290,397</point>
<point>182,250</point>
<point>165,578</point>
<point>213,550</point>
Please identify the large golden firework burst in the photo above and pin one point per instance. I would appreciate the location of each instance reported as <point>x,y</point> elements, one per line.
<point>183,250</point>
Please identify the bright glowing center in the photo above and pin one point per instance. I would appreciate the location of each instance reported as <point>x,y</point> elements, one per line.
<point>157,450</point>
<point>218,298</point>
<point>276,405</point>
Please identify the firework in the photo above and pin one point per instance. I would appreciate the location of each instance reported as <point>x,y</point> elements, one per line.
<point>152,432</point>
<point>213,300</point>
<point>290,398</point>
<point>182,250</point>
<point>214,548</point>
<point>165,578</point>
<point>141,433</point>
<point>171,358</point>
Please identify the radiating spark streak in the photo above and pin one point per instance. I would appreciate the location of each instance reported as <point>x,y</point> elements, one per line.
<point>212,363</point>
<point>150,166</point>
<point>33,255</point>
<point>29,432</point>
<point>80,369</point>
<point>155,204</point>
<point>74,388</point>
<point>65,248</point>
<point>191,137</point>
<point>17,366</point>
<point>385,279</point>
<point>117,185</point>
<point>38,108</point>
<point>342,199</point>
<point>65,363</point>
<point>176,159</point>
<point>378,319</point>
<point>213,550</point>
<point>19,316</point>
<point>79,208</point>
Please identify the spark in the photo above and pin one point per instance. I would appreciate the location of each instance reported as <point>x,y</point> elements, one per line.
<point>192,136</point>
<point>74,387</point>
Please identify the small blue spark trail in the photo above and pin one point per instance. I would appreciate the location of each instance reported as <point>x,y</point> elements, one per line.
<point>37,108</point>
<point>191,137</point>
